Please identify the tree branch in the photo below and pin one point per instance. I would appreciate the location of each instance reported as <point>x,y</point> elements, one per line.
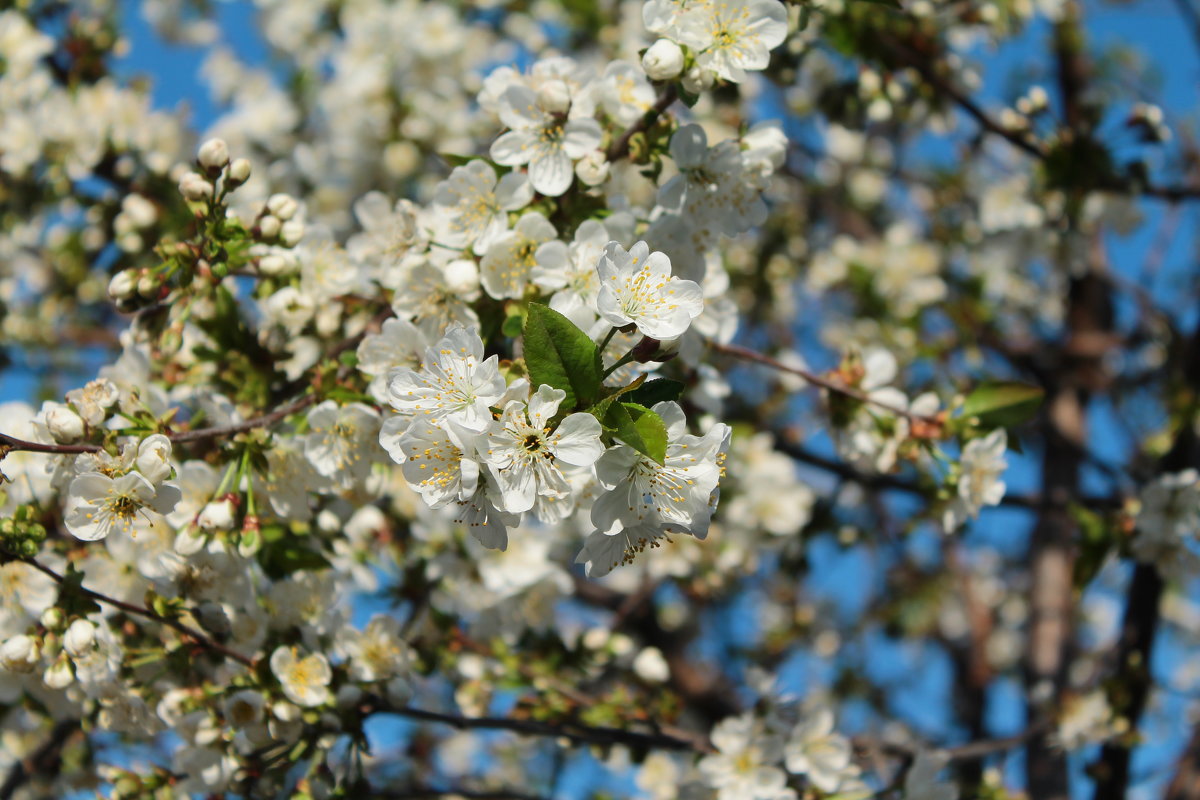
<point>575,731</point>
<point>829,384</point>
<point>140,611</point>
<point>620,148</point>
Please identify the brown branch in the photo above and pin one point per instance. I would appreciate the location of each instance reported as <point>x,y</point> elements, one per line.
<point>829,384</point>
<point>129,608</point>
<point>575,731</point>
<point>1019,138</point>
<point>620,148</point>
<point>466,794</point>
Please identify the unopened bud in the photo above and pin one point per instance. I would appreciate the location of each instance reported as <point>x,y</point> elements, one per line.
<point>696,80</point>
<point>64,424</point>
<point>283,206</point>
<point>554,96</point>
<point>52,619</point>
<point>239,171</point>
<point>123,285</point>
<point>269,226</point>
<point>20,654</point>
<point>79,638</point>
<point>147,285</point>
<point>213,155</point>
<point>195,188</point>
<point>663,61</point>
<point>291,232</point>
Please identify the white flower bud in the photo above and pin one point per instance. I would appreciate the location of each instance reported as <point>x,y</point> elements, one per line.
<point>154,458</point>
<point>147,285</point>
<point>20,654</point>
<point>194,188</point>
<point>123,285</point>
<point>274,264</point>
<point>696,80</point>
<point>64,424</point>
<point>283,206</point>
<point>462,276</point>
<point>291,232</point>
<point>52,618</point>
<point>217,515</point>
<point>592,169</point>
<point>269,226</point>
<point>59,675</point>
<point>79,638</point>
<point>239,170</point>
<point>554,97</point>
<point>663,61</point>
<point>214,154</point>
<point>650,666</point>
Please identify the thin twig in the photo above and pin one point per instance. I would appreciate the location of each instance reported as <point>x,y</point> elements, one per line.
<point>575,731</point>
<point>129,608</point>
<point>828,384</point>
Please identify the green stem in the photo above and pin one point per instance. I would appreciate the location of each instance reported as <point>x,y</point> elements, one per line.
<point>607,338</point>
<point>625,359</point>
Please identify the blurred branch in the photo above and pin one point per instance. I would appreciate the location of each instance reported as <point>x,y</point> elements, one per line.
<point>574,731</point>
<point>41,762</point>
<point>828,384</point>
<point>140,611</point>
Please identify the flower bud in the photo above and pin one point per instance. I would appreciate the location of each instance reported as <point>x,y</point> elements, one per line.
<point>123,285</point>
<point>291,232</point>
<point>462,276</point>
<point>147,285</point>
<point>213,155</point>
<point>663,61</point>
<point>217,515</point>
<point>554,96</point>
<point>274,264</point>
<point>283,206</point>
<point>52,618</point>
<point>239,171</point>
<point>59,675</point>
<point>194,188</point>
<point>64,424</point>
<point>268,227</point>
<point>696,80</point>
<point>20,654</point>
<point>592,169</point>
<point>79,638</point>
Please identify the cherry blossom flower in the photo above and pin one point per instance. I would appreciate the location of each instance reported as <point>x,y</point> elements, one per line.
<point>637,288</point>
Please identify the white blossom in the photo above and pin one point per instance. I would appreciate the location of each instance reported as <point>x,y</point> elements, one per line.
<point>636,287</point>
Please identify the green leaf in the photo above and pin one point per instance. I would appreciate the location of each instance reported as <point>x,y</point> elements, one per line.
<point>656,391</point>
<point>1003,404</point>
<point>560,355</point>
<point>640,428</point>
<point>600,409</point>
